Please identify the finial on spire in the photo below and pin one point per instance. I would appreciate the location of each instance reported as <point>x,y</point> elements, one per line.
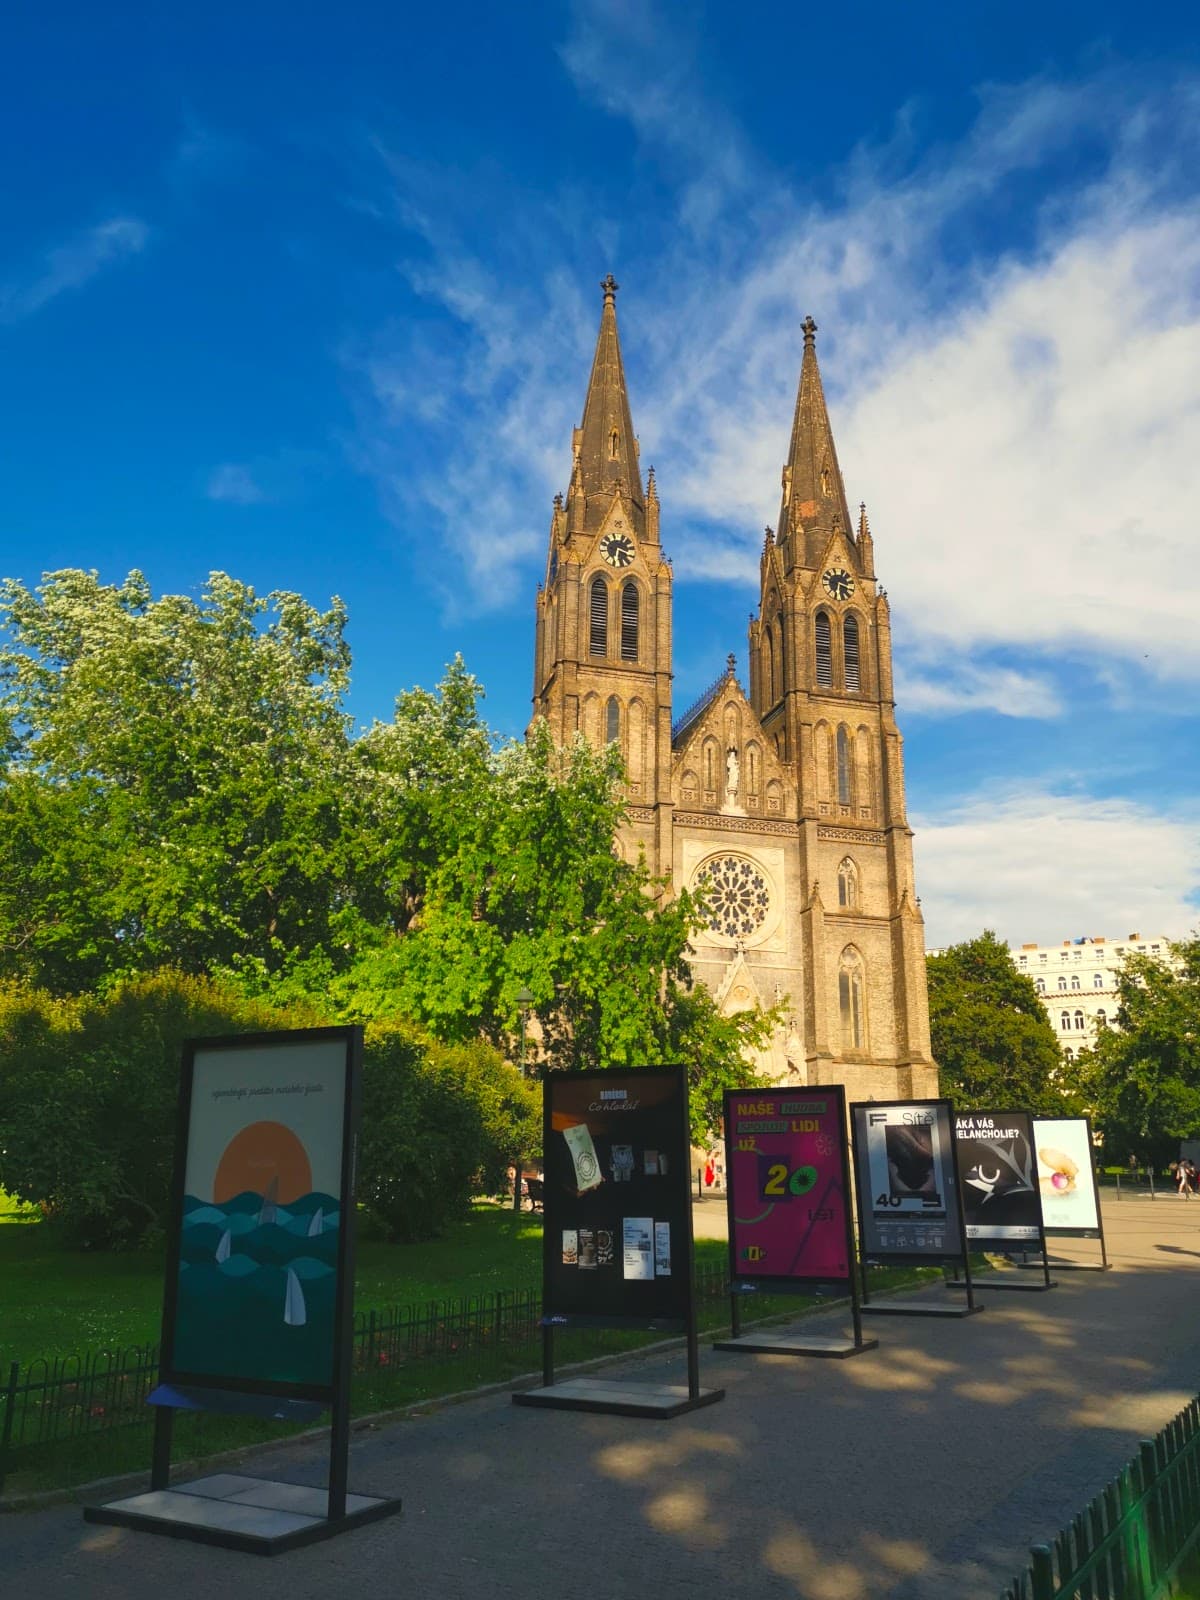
<point>651,485</point>
<point>768,537</point>
<point>610,287</point>
<point>558,501</point>
<point>731,663</point>
<point>810,331</point>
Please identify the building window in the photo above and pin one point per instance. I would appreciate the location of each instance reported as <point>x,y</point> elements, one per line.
<point>612,720</point>
<point>1022,961</point>
<point>1042,959</point>
<point>850,1000</point>
<point>1074,980</point>
<point>1064,1019</point>
<point>850,645</point>
<point>598,643</point>
<point>629,622</point>
<point>613,440</point>
<point>1097,980</point>
<point>847,885</point>
<point>1041,985</point>
<point>1062,980</point>
<point>1154,949</point>
<point>1101,1018</point>
<point>843,767</point>
<point>824,651</point>
<point>1079,1021</point>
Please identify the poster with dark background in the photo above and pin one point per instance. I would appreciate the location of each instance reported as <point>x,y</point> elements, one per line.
<point>617,1197</point>
<point>997,1168</point>
<point>907,1185</point>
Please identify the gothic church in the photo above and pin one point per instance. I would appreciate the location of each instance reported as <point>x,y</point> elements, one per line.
<point>788,802</point>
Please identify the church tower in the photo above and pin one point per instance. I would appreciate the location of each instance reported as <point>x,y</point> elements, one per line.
<point>786,805</point>
<point>602,657</point>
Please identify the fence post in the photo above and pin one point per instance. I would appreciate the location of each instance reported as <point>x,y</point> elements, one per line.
<point>10,1406</point>
<point>1153,1196</point>
<point>1042,1572</point>
<point>1158,1555</point>
<point>1118,1185</point>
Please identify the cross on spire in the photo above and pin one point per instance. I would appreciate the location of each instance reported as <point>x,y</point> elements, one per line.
<point>610,287</point>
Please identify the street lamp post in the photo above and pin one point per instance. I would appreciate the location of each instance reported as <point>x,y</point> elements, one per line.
<point>524,1001</point>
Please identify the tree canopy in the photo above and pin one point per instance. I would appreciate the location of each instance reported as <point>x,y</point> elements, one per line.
<point>1142,1076</point>
<point>991,1038</point>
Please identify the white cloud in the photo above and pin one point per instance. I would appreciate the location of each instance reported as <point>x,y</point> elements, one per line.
<point>236,484</point>
<point>973,688</point>
<point>1044,867</point>
<point>70,266</point>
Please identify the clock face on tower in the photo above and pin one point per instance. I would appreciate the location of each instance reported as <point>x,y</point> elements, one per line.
<point>838,583</point>
<point>617,549</point>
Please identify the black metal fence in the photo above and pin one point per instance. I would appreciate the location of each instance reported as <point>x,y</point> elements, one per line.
<point>1131,1541</point>
<point>71,1418</point>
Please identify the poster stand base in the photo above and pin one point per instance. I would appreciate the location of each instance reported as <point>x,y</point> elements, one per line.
<point>1068,1266</point>
<point>918,1308</point>
<point>1003,1280</point>
<point>829,1346</point>
<point>619,1398</point>
<point>256,1515</point>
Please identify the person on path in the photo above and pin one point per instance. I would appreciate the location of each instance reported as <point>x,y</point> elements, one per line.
<point>1183,1184</point>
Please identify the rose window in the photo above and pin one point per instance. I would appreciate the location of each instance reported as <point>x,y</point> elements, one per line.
<point>738,897</point>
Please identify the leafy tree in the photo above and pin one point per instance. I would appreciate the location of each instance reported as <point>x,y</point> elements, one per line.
<point>991,1037</point>
<point>1143,1075</point>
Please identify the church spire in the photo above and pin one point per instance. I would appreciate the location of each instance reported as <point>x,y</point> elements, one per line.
<point>606,448</point>
<point>814,499</point>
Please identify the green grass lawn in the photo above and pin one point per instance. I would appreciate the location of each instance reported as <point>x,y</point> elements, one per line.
<point>57,1301</point>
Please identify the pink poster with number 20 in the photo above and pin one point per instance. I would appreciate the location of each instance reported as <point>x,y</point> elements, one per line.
<point>786,1175</point>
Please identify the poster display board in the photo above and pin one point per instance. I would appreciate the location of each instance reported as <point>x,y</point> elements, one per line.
<point>788,1187</point>
<point>257,1292</point>
<point>908,1197</point>
<point>1001,1200</point>
<point>1066,1176</point>
<point>617,1237</point>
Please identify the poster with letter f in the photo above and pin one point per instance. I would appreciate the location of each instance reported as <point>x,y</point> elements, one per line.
<point>997,1167</point>
<point>908,1193</point>
<point>788,1187</point>
<point>1067,1177</point>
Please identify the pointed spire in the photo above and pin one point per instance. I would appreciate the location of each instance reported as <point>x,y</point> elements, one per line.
<point>814,500</point>
<point>608,456</point>
<point>866,545</point>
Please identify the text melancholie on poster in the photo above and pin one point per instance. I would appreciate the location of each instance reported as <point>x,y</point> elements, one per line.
<point>785,1153</point>
<point>907,1199</point>
<point>1066,1177</point>
<point>616,1196</point>
<point>256,1294</point>
<point>1001,1204</point>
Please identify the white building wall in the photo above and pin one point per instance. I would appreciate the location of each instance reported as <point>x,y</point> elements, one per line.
<point>1077,980</point>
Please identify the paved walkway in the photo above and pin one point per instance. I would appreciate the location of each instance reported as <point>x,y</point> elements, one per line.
<point>920,1470</point>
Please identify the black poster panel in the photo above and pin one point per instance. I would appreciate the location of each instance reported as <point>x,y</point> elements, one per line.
<point>906,1181</point>
<point>617,1201</point>
<point>997,1168</point>
<point>259,1285</point>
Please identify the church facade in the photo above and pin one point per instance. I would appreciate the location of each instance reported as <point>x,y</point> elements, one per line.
<point>784,800</point>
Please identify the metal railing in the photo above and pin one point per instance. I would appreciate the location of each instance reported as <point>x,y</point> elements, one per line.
<point>1131,1541</point>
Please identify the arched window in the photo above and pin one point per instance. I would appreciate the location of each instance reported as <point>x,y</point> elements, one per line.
<point>847,885</point>
<point>850,645</point>
<point>824,651</point>
<point>781,654</point>
<point>1079,1021</point>
<point>612,720</point>
<point>613,440</point>
<point>1064,1019</point>
<point>1074,980</point>
<point>1041,985</point>
<point>629,622</point>
<point>1062,980</point>
<point>1097,980</point>
<point>752,769</point>
<point>598,643</point>
<point>768,670</point>
<point>850,1000</point>
<point>843,767</point>
<point>710,775</point>
<point>1102,1019</point>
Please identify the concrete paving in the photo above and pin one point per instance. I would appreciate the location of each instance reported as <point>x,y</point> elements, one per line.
<point>922,1469</point>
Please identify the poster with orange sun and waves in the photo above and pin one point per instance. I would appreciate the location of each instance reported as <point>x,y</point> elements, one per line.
<point>256,1294</point>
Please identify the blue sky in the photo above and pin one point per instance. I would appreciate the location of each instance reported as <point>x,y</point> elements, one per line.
<point>308,294</point>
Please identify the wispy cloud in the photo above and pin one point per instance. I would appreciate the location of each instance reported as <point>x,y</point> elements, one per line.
<point>977,688</point>
<point>235,483</point>
<point>1042,866</point>
<point>72,265</point>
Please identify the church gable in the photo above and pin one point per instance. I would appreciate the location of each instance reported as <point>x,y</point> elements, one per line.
<point>723,761</point>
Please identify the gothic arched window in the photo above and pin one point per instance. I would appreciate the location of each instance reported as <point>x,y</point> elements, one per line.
<point>781,655</point>
<point>1062,980</point>
<point>768,670</point>
<point>1041,985</point>
<point>843,767</point>
<point>612,720</point>
<point>850,1000</point>
<point>824,651</point>
<point>850,643</point>
<point>613,440</point>
<point>629,622</point>
<point>847,885</point>
<point>598,638</point>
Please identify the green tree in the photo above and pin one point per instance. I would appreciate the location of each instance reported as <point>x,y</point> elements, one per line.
<point>991,1037</point>
<point>1142,1076</point>
<point>176,790</point>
